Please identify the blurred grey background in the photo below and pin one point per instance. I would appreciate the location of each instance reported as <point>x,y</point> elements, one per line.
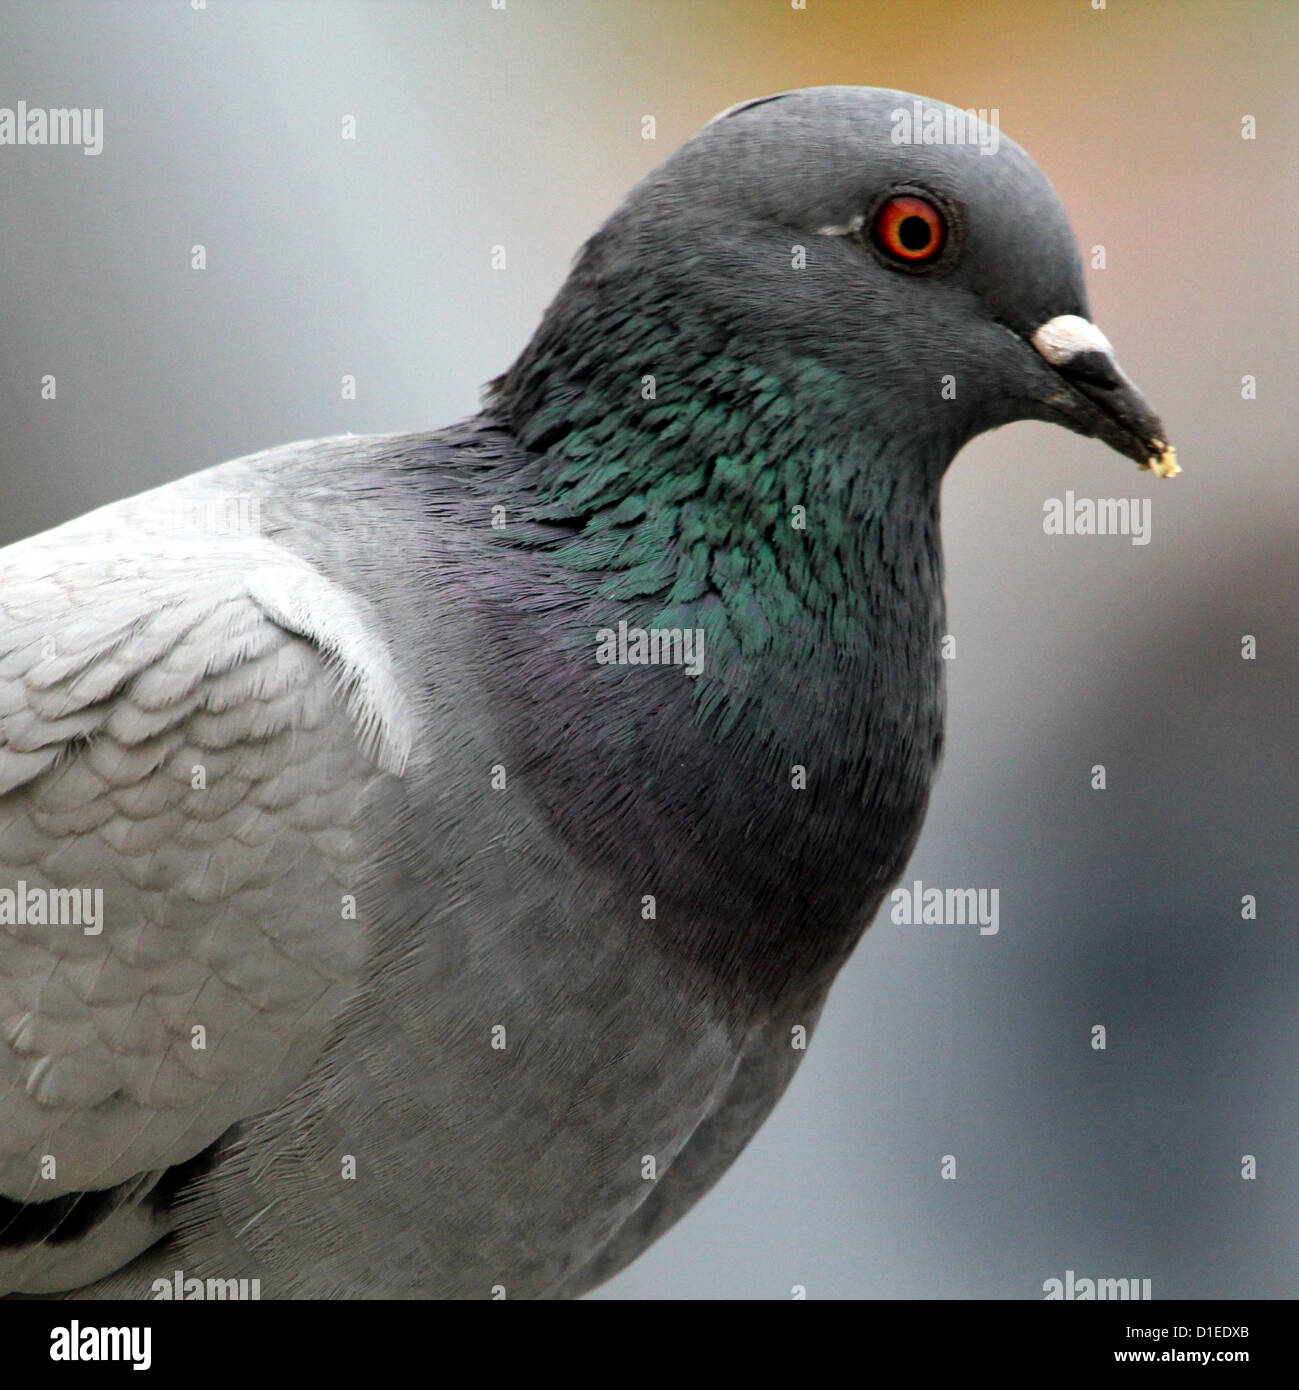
<point>522,127</point>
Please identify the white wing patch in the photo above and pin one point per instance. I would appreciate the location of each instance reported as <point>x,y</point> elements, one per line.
<point>193,731</point>
<point>300,600</point>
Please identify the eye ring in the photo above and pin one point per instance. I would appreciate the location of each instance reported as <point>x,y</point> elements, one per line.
<point>913,230</point>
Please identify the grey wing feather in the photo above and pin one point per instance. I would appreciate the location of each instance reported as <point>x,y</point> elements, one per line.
<point>190,729</point>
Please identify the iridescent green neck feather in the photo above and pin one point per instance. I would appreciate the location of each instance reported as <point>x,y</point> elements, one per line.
<point>708,489</point>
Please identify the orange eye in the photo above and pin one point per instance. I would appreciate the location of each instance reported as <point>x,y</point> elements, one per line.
<point>910,229</point>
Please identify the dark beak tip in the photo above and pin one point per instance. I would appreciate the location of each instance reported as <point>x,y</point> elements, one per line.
<point>1123,417</point>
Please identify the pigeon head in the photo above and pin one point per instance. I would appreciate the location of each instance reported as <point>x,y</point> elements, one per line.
<point>918,262</point>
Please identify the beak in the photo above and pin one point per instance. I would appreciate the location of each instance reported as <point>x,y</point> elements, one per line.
<point>1094,397</point>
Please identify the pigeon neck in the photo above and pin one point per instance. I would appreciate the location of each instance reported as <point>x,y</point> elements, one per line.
<point>732,502</point>
<point>699,470</point>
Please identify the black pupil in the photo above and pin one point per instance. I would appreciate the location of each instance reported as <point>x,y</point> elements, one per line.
<point>914,233</point>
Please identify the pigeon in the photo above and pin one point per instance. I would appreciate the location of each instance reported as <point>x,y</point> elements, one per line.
<point>425,857</point>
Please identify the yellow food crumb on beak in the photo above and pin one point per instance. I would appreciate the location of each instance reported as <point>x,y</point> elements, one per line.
<point>1163,464</point>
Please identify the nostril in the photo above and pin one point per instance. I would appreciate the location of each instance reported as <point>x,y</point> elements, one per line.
<point>1094,368</point>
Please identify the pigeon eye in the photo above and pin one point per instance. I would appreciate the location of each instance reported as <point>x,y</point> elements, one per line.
<point>910,229</point>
